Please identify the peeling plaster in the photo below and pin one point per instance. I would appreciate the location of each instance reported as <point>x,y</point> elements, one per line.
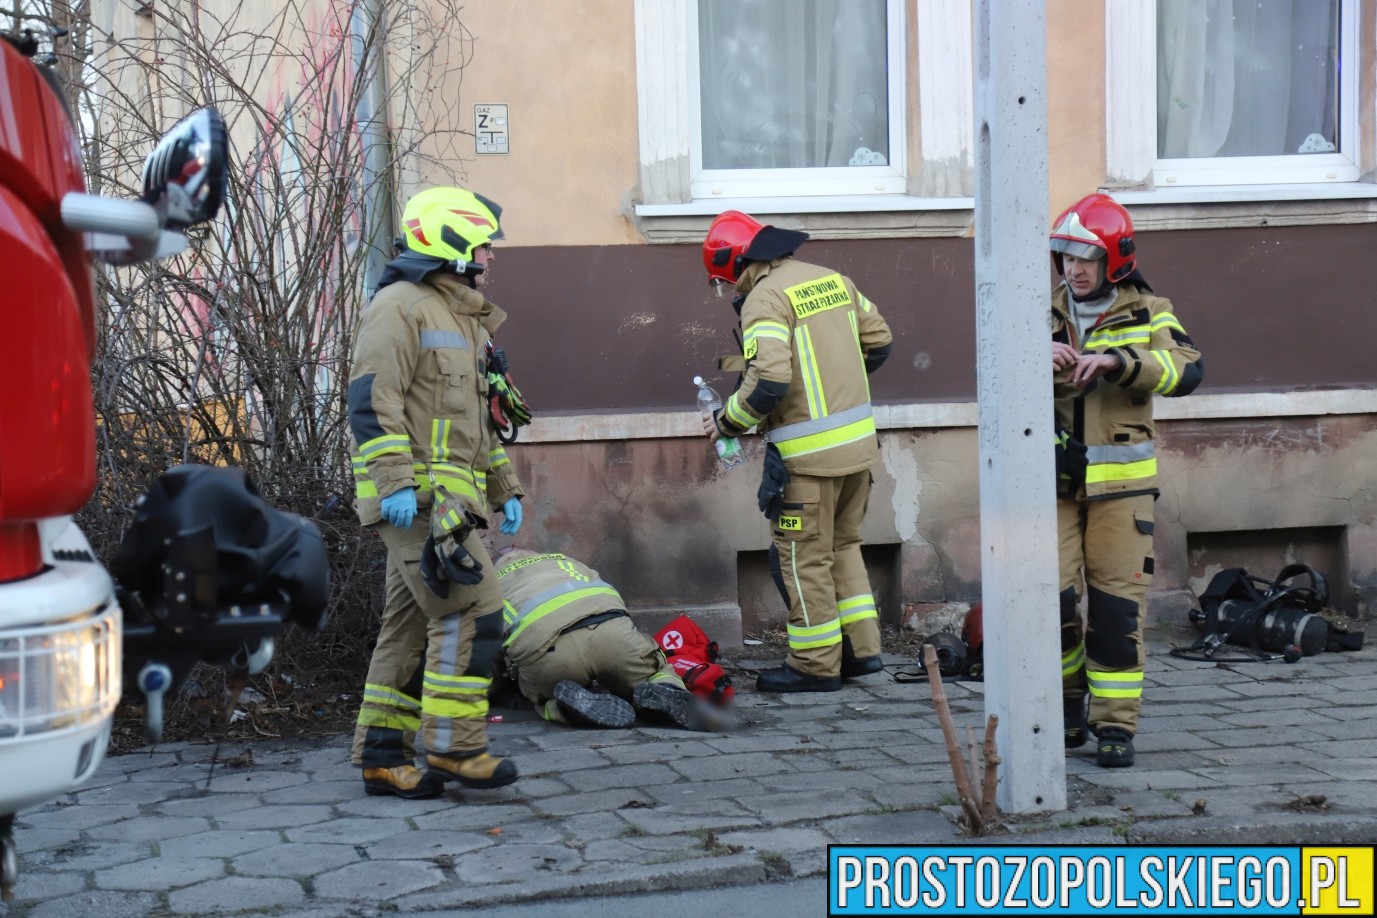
<point>902,466</point>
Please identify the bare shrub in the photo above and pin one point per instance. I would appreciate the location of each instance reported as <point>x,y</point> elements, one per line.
<point>236,351</point>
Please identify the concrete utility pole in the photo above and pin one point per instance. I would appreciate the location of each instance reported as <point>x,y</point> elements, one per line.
<point>368,36</point>
<point>1018,533</point>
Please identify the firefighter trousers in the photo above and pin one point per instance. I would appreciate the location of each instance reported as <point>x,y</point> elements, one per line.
<point>612,653</point>
<point>1107,544</point>
<point>434,660</point>
<point>817,539</point>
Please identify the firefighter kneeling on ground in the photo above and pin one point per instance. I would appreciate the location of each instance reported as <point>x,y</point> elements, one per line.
<point>564,628</point>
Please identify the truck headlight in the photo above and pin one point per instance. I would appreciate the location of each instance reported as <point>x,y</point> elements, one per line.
<point>59,676</point>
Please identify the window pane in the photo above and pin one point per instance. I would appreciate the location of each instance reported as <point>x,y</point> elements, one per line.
<point>793,83</point>
<point>1247,77</point>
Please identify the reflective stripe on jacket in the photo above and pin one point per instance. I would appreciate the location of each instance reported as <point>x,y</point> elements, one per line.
<point>1113,416</point>
<point>807,328</point>
<point>417,399</point>
<point>544,594</point>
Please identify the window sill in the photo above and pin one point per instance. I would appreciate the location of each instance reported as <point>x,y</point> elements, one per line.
<point>577,427</point>
<point>890,216</point>
<point>1223,206</point>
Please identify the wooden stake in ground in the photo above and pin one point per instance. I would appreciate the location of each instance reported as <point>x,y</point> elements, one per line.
<point>977,804</point>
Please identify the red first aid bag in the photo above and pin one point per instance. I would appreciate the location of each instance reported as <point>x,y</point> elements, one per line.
<point>693,657</point>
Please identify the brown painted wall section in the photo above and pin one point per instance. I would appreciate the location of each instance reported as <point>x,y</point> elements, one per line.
<point>618,328</point>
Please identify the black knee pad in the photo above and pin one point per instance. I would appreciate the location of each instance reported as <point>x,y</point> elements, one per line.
<point>1111,640</point>
<point>1070,619</point>
<point>413,685</point>
<point>487,644</point>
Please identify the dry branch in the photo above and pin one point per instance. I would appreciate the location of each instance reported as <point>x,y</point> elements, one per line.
<point>964,790</point>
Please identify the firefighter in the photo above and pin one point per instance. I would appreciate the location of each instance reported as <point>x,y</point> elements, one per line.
<point>428,471</point>
<point>565,628</point>
<point>1114,346</point>
<point>810,341</point>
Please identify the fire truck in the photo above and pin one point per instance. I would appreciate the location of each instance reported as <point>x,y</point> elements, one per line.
<point>207,570</point>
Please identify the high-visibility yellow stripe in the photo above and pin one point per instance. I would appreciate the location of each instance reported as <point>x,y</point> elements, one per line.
<point>1117,471</point>
<point>736,414</point>
<point>808,369</point>
<point>1170,377</point>
<point>804,637</point>
<point>1166,320</point>
<point>560,602</point>
<point>668,679</point>
<point>458,683</point>
<point>1117,336</point>
<point>449,707</point>
<point>390,720</point>
<point>386,694</point>
<point>857,608</point>
<point>1071,661</point>
<point>497,458</point>
<point>775,330</point>
<point>1114,685</point>
<point>382,446</point>
<point>439,439</point>
<point>841,436</point>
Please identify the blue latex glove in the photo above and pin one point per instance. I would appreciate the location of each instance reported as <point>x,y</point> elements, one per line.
<point>512,511</point>
<point>399,507</point>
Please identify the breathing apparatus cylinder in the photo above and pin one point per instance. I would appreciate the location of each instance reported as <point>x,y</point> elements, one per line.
<point>1274,629</point>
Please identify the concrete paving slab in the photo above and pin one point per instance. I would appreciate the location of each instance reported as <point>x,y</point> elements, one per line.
<point>160,873</point>
<point>236,894</point>
<point>1275,759</point>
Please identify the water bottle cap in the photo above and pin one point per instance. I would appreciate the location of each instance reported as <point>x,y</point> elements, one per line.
<point>697,380</point>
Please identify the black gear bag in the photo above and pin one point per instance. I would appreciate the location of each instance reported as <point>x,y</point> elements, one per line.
<point>1271,618</point>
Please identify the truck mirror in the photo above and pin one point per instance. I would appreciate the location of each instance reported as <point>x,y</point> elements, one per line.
<point>184,177</point>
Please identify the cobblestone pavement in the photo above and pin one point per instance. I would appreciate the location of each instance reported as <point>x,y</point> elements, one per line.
<point>1248,753</point>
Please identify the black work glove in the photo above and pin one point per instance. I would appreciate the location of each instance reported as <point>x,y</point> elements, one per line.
<point>773,477</point>
<point>448,561</point>
<point>1072,461</point>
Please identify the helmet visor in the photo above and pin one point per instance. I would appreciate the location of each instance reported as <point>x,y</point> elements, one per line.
<point>1077,249</point>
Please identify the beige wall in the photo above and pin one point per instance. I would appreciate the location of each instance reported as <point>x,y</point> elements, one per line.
<point>1075,101</point>
<point>567,72</point>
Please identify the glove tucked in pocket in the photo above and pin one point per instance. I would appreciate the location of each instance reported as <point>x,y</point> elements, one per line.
<point>774,476</point>
<point>1071,462</point>
<point>445,561</point>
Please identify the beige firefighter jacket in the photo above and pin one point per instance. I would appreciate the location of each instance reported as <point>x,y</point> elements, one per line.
<point>544,594</point>
<point>418,400</point>
<point>1113,416</point>
<point>808,328</point>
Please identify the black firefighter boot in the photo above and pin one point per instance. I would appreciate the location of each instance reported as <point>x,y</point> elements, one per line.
<point>788,679</point>
<point>406,781</point>
<point>481,771</point>
<point>1073,719</point>
<point>676,706</point>
<point>853,666</point>
<point>1116,747</point>
<point>587,708</point>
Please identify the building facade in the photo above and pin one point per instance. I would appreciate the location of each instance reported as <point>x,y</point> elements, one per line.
<point>1242,137</point>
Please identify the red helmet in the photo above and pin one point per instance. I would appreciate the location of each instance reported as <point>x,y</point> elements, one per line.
<point>973,629</point>
<point>1096,226</point>
<point>730,235</point>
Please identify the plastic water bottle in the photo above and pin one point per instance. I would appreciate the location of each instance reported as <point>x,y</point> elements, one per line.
<point>709,403</point>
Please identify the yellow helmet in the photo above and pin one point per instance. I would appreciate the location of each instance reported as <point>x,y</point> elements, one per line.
<point>450,223</point>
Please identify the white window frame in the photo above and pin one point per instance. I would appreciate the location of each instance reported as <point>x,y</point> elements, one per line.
<point>1131,118</point>
<point>943,120</point>
<point>732,183</point>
